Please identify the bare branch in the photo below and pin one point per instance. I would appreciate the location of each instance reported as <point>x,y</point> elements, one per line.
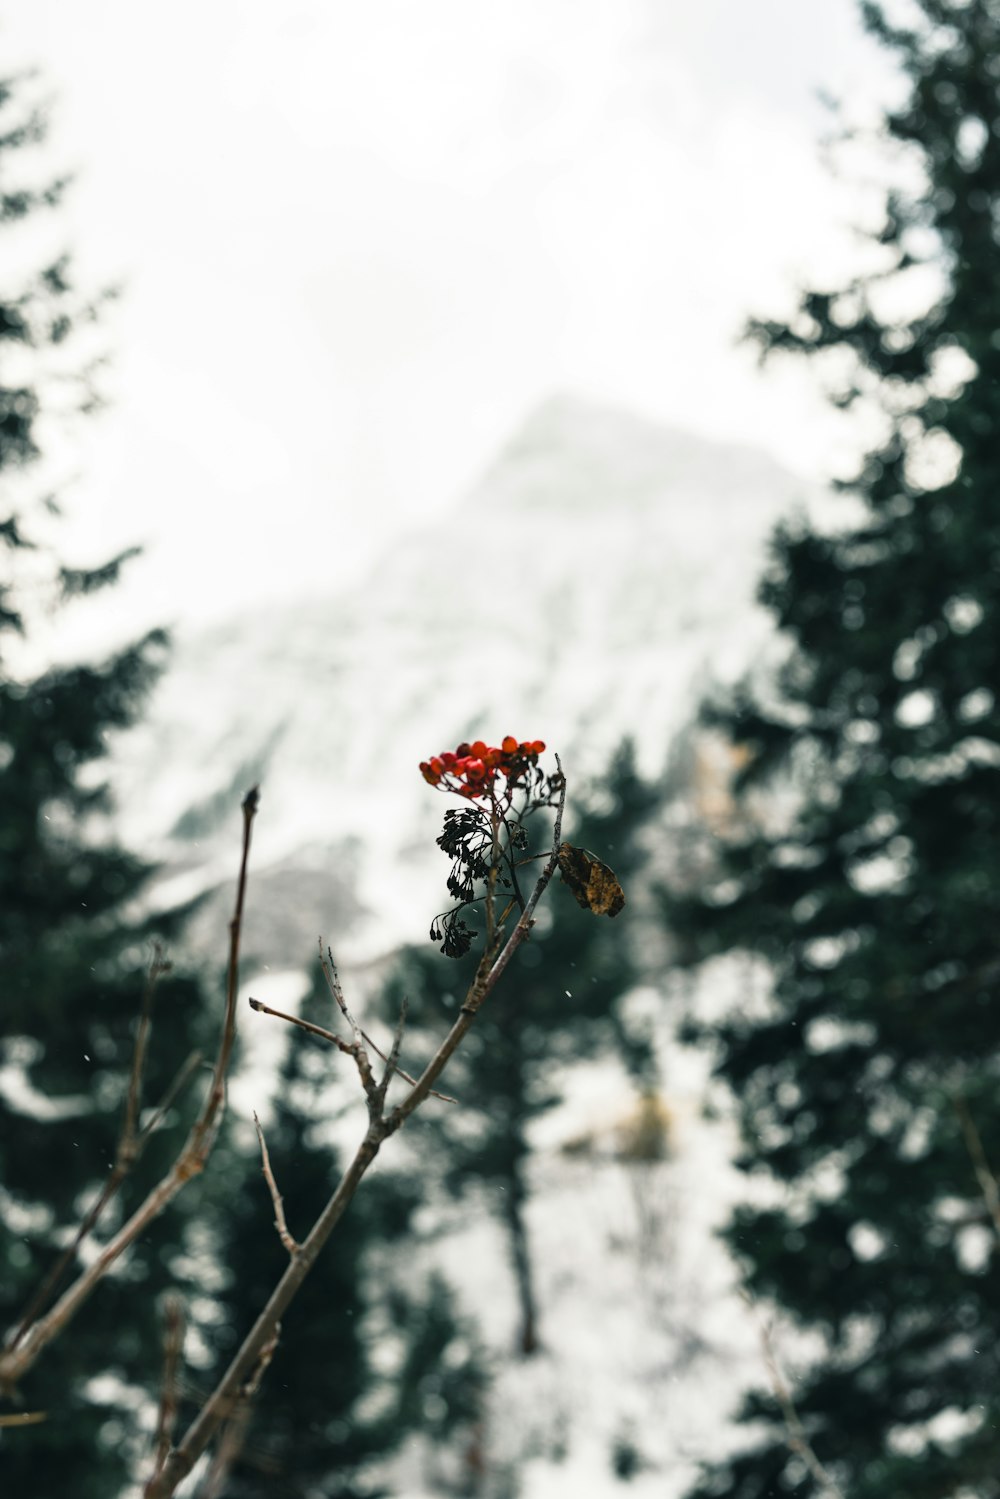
<point>204,1129</point>
<point>215,1410</point>
<point>329,969</point>
<point>391,1061</point>
<point>401,1071</point>
<point>796,1437</point>
<point>984,1176</point>
<point>173,1341</point>
<point>23,1418</point>
<point>180,1081</point>
<point>130,1147</point>
<point>305,1025</point>
<point>18,1358</point>
<point>332,977</point>
<point>276,1198</point>
<point>339,1042</point>
<point>221,1402</point>
<point>158,966</point>
<point>235,1431</point>
<point>357,1049</point>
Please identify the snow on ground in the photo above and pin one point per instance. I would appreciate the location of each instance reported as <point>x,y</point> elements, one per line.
<point>637,554</point>
<point>646,1343</point>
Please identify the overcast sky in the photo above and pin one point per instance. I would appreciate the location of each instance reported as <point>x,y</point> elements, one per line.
<point>361,239</point>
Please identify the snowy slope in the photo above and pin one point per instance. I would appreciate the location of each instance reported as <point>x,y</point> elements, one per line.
<point>592,585</point>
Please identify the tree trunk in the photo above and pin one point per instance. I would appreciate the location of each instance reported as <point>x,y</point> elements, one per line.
<point>514,1200</point>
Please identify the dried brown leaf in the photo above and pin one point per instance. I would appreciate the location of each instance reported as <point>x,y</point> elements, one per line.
<point>593,884</point>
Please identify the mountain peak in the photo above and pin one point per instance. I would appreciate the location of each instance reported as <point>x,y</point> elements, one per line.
<point>607,578</point>
<point>572,453</point>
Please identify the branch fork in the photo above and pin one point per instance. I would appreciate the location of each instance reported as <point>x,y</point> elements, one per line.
<point>261,1339</point>
<point>31,1338</point>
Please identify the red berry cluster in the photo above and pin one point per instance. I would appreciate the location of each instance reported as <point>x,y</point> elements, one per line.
<point>472,769</point>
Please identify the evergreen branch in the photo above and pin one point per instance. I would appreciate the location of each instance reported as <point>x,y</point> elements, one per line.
<point>261,1336</point>
<point>18,1358</point>
<point>277,1200</point>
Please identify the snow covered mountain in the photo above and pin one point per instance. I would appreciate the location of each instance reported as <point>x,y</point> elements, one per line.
<point>591,587</point>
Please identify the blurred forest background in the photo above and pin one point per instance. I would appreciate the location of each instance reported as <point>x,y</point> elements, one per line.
<point>530,1292</point>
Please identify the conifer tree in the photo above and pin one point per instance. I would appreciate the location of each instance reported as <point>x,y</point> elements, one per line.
<point>867,1086</point>
<point>72,957</point>
<point>560,1008</point>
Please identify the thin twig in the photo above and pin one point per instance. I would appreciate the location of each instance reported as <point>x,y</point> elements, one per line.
<point>339,1042</point>
<point>332,977</point>
<point>23,1418</point>
<point>984,1176</point>
<point>357,1049</point>
<point>130,1147</point>
<point>234,1434</point>
<point>305,1025</point>
<point>491,880</point>
<point>400,1071</point>
<point>796,1437</point>
<point>276,1198</point>
<point>512,865</point>
<point>15,1361</point>
<point>391,1061</point>
<point>158,966</point>
<point>380,1126</point>
<point>333,983</point>
<point>182,1076</point>
<point>216,1098</point>
<point>173,1341</point>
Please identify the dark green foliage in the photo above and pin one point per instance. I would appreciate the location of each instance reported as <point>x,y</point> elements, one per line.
<point>626,1459</point>
<point>556,1005</point>
<point>442,1379</point>
<point>878,905</point>
<point>325,1412</point>
<point>72,957</point>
